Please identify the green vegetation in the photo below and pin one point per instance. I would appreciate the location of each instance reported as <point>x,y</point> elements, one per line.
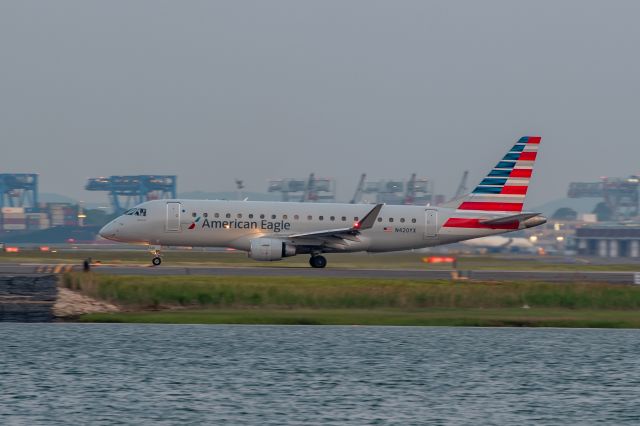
<point>303,300</point>
<point>402,260</point>
<point>349,293</point>
<point>394,317</point>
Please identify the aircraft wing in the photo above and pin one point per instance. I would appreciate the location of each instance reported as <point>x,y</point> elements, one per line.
<point>343,233</point>
<point>509,219</point>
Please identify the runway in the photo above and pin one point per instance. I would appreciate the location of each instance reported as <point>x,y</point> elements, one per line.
<point>613,277</point>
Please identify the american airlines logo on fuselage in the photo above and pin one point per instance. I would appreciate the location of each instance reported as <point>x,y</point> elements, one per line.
<point>264,224</point>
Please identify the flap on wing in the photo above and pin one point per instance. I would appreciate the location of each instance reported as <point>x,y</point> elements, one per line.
<point>327,233</point>
<point>364,223</point>
<point>509,219</point>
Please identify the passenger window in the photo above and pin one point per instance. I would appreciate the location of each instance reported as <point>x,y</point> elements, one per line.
<point>205,214</point>
<point>402,220</point>
<point>296,217</point>
<point>273,216</point>
<point>332,218</point>
<point>355,219</point>
<point>216,215</point>
<point>284,217</point>
<point>250,215</point>
<point>309,217</point>
<point>390,220</point>
<point>261,216</point>
<point>193,214</point>
<point>320,217</point>
<point>344,218</point>
<point>379,219</point>
<point>239,215</point>
<point>228,215</point>
<point>413,220</point>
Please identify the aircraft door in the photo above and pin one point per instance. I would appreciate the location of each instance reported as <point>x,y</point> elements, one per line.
<point>173,217</point>
<point>430,223</point>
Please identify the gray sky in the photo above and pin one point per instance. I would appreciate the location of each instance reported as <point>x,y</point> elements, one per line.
<point>263,89</point>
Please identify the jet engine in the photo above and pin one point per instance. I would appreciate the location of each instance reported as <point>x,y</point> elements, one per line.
<point>269,249</point>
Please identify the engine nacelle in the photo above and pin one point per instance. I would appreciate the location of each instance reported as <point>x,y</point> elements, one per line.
<point>269,249</point>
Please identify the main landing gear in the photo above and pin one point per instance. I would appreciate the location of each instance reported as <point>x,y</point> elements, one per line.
<point>318,261</point>
<point>157,260</point>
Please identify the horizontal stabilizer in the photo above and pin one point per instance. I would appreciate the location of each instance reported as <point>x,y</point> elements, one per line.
<point>509,219</point>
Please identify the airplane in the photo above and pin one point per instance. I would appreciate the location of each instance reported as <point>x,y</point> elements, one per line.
<point>271,231</point>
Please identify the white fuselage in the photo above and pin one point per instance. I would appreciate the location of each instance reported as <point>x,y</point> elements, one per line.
<point>233,224</point>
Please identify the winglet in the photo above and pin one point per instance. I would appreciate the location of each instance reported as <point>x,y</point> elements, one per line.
<point>368,221</point>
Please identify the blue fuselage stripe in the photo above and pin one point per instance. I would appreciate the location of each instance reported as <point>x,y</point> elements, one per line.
<point>493,181</point>
<point>505,165</point>
<point>512,156</point>
<point>500,173</point>
<point>487,190</point>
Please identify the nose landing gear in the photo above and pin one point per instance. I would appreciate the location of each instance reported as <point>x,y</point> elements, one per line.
<point>318,261</point>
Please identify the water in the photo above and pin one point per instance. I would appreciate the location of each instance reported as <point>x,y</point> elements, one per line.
<point>159,374</point>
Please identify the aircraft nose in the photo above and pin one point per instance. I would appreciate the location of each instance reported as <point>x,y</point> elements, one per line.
<point>108,231</point>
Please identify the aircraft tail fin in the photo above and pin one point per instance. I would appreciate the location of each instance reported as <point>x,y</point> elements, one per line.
<point>506,185</point>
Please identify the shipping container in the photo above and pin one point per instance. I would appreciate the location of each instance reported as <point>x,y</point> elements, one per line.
<point>13,221</point>
<point>12,227</point>
<point>37,221</point>
<point>12,210</point>
<point>14,214</point>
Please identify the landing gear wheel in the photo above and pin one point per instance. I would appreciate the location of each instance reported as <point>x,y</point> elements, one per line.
<point>318,261</point>
<point>156,261</point>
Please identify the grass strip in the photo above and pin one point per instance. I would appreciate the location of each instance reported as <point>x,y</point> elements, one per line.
<point>154,292</point>
<point>388,317</point>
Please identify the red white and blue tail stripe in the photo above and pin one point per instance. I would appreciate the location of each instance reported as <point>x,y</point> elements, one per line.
<point>504,188</point>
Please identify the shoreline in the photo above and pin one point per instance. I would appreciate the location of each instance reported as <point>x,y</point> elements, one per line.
<point>446,317</point>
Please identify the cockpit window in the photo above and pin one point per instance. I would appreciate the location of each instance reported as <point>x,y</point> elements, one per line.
<point>136,212</point>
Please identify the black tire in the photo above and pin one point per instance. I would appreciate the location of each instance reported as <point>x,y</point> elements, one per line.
<point>156,261</point>
<point>318,261</point>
